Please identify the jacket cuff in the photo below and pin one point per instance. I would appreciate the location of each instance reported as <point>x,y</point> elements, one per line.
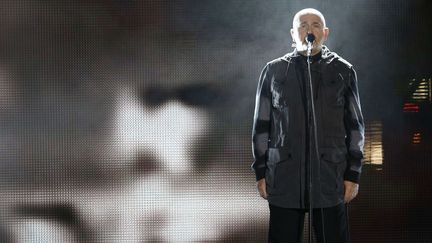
<point>352,176</point>
<point>260,173</point>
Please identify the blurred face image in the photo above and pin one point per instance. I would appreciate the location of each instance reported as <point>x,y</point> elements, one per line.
<point>140,173</point>
<point>118,141</point>
<point>305,23</point>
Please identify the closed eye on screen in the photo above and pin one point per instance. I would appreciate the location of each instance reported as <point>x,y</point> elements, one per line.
<point>192,95</point>
<point>59,212</point>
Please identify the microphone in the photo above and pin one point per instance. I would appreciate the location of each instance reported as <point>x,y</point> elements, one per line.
<point>310,38</point>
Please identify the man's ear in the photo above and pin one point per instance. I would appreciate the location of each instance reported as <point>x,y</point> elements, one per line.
<point>292,35</point>
<point>326,33</point>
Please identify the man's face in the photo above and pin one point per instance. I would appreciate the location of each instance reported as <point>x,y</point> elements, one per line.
<point>309,24</point>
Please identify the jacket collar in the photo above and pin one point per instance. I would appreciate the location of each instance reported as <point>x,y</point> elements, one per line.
<point>327,55</point>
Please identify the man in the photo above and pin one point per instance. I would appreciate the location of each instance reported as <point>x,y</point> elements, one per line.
<point>285,148</point>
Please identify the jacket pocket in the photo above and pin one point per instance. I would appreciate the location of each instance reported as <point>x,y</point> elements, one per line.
<point>334,91</point>
<point>333,163</point>
<point>333,156</point>
<point>277,160</point>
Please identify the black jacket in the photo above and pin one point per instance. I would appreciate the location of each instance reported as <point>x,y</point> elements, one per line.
<point>281,135</point>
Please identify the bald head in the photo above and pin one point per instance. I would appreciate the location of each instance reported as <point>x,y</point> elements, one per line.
<point>306,11</point>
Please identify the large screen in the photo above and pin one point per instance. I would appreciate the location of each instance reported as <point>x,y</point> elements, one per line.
<point>130,121</point>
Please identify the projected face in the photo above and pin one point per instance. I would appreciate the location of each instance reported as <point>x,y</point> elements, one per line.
<point>118,135</point>
<point>309,24</point>
<point>132,158</point>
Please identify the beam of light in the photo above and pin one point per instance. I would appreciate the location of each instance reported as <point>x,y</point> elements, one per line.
<point>373,148</point>
<point>422,91</point>
<point>416,138</point>
<point>410,107</point>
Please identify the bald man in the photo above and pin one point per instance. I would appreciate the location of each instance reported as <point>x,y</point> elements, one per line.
<point>297,167</point>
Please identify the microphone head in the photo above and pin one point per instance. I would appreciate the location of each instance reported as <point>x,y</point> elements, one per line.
<point>310,38</point>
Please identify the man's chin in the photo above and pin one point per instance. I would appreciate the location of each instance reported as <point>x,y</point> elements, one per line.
<point>302,48</point>
<point>315,49</point>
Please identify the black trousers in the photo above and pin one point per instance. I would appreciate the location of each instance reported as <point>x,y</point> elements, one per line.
<point>330,225</point>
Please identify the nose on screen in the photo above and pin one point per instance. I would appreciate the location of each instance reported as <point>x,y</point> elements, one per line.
<point>168,132</point>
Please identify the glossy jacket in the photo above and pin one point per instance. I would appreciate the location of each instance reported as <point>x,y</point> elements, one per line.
<point>280,130</point>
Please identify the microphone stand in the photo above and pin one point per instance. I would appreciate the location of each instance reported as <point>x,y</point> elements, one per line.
<point>310,104</point>
<point>311,129</point>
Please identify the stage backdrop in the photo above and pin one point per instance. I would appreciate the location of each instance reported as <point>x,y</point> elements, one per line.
<point>130,121</point>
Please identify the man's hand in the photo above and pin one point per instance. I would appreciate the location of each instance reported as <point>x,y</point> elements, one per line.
<point>261,185</point>
<point>351,191</point>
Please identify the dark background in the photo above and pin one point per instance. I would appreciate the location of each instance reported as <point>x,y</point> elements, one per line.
<point>130,120</point>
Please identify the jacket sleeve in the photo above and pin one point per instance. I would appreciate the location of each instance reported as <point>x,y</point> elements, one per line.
<point>354,126</point>
<point>261,124</point>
